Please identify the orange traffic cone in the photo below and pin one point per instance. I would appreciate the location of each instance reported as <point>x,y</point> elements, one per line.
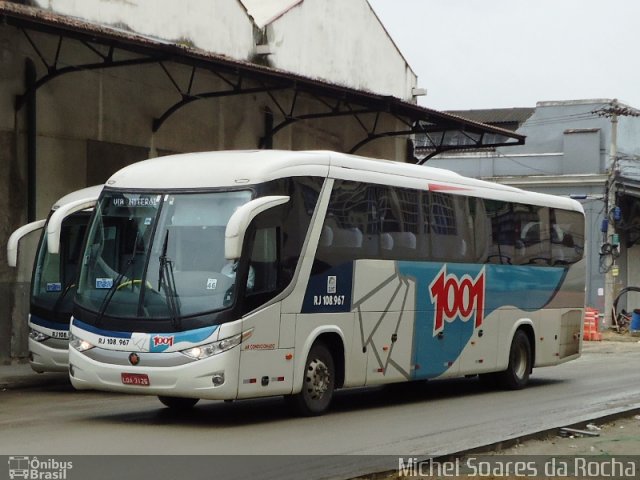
<point>591,332</point>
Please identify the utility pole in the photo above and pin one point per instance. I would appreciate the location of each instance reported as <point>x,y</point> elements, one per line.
<point>611,244</point>
<point>611,273</point>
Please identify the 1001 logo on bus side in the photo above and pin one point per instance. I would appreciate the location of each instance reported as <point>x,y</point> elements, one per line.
<point>455,298</point>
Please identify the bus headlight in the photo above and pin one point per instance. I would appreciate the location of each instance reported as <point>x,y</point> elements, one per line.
<point>214,348</point>
<point>37,336</point>
<point>79,344</point>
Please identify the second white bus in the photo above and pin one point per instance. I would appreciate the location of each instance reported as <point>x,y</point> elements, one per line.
<point>53,279</point>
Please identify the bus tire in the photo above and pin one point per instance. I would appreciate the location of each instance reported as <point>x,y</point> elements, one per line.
<point>178,403</point>
<point>516,376</point>
<point>318,383</point>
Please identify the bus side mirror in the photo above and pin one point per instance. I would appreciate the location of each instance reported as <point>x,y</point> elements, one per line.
<point>240,220</point>
<point>14,239</point>
<point>54,227</point>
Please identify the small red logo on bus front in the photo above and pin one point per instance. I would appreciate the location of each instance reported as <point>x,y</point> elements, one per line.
<point>158,340</point>
<point>455,297</point>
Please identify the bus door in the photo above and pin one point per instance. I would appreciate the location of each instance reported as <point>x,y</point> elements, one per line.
<point>265,366</point>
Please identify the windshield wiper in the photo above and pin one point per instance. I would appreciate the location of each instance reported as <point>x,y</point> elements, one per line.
<point>58,304</point>
<point>167,282</point>
<point>114,287</point>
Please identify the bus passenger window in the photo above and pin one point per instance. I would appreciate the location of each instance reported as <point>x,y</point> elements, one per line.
<point>567,237</point>
<point>445,237</point>
<point>481,230</point>
<point>349,230</point>
<point>533,239</point>
<point>500,215</point>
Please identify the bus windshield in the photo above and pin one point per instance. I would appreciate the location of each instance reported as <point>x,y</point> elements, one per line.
<point>159,256</point>
<point>54,277</point>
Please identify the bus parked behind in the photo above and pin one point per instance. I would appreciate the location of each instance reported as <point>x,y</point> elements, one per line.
<point>53,279</point>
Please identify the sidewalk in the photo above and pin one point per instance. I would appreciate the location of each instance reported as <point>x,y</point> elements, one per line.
<point>619,436</point>
<point>20,375</point>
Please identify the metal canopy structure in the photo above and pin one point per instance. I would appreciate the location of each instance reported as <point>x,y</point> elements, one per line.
<point>113,48</point>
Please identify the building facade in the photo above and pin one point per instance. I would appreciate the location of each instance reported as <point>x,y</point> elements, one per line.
<point>87,87</point>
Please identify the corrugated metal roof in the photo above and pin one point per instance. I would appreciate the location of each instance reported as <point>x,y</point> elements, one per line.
<point>263,12</point>
<point>496,116</point>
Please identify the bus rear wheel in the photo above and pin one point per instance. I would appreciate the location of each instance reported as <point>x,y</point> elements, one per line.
<point>318,383</point>
<point>516,376</point>
<point>178,403</point>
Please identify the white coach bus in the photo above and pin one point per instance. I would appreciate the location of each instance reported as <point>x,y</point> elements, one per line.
<point>231,275</point>
<point>53,279</point>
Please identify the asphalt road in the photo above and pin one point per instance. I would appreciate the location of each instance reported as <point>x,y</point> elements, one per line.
<point>433,418</point>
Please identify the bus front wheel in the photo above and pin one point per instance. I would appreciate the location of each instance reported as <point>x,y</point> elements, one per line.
<point>318,383</point>
<point>178,403</point>
<point>516,376</point>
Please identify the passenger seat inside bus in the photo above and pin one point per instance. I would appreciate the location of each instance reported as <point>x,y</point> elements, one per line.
<point>337,245</point>
<point>347,238</point>
<point>404,244</point>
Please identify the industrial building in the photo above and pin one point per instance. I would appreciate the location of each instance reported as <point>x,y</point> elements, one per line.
<point>89,87</point>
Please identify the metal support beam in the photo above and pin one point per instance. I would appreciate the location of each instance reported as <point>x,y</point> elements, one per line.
<point>187,99</point>
<point>266,142</point>
<point>54,71</point>
<point>31,138</point>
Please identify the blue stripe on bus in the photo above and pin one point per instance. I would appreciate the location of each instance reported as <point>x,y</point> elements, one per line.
<point>49,324</point>
<point>190,336</point>
<point>527,288</point>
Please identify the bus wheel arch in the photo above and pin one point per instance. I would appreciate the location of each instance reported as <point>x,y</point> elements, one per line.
<point>333,341</point>
<point>527,328</point>
<point>321,374</point>
<point>318,383</point>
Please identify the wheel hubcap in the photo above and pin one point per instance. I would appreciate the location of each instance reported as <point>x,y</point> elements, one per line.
<point>521,363</point>
<point>318,379</point>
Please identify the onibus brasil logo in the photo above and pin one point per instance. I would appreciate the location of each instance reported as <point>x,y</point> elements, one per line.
<point>34,468</point>
<point>455,297</point>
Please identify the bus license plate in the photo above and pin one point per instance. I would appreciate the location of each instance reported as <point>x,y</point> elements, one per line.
<point>141,379</point>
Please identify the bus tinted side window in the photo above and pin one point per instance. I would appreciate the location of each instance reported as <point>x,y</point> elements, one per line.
<point>567,236</point>
<point>350,228</point>
<point>453,237</point>
<point>480,232</point>
<point>368,221</point>
<point>402,224</point>
<point>533,237</point>
<point>500,215</point>
<point>393,223</point>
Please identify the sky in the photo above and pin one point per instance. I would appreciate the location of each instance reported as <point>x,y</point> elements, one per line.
<point>472,54</point>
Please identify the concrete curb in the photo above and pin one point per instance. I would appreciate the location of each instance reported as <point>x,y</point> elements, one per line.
<point>542,434</point>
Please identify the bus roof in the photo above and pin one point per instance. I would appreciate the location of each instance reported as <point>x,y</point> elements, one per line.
<point>193,171</point>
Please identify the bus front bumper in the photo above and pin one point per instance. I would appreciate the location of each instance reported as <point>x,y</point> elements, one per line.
<point>47,359</point>
<point>214,378</point>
